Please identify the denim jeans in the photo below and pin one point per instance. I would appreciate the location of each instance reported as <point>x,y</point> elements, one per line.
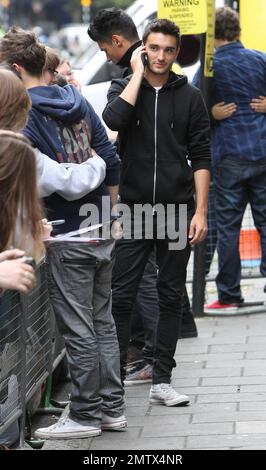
<point>131,258</point>
<point>237,183</point>
<point>79,281</point>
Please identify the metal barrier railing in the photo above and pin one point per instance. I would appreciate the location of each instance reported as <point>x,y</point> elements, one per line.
<point>11,359</point>
<point>29,349</point>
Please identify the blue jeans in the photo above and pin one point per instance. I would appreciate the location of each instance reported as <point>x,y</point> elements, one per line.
<point>237,183</point>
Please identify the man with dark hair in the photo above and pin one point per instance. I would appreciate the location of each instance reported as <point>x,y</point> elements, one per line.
<point>238,148</point>
<point>64,126</point>
<point>162,122</point>
<point>116,34</point>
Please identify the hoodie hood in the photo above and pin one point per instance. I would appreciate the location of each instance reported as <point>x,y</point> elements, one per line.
<point>58,116</point>
<point>61,103</point>
<point>174,81</point>
<point>125,60</point>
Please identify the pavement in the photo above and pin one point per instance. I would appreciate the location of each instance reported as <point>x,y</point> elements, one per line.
<point>224,373</point>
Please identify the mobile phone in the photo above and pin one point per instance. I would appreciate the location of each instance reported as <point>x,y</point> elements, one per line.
<point>56,222</point>
<point>144,59</point>
<point>29,260</point>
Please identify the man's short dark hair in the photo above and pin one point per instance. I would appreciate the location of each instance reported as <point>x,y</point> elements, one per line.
<point>22,47</point>
<point>227,25</point>
<point>112,21</point>
<point>163,26</point>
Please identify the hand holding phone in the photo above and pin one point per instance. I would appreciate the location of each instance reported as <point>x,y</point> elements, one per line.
<point>144,59</point>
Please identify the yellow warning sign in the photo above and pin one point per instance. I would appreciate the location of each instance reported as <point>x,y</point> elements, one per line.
<point>189,15</point>
<point>253,21</point>
<point>209,48</point>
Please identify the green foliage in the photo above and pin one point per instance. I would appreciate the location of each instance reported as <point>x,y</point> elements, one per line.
<point>99,4</point>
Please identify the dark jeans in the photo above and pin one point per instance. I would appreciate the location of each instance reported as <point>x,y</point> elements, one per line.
<point>146,308</point>
<point>145,313</point>
<point>237,183</point>
<point>131,258</point>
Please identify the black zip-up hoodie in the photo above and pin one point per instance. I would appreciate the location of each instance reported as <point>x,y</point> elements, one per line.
<point>157,137</point>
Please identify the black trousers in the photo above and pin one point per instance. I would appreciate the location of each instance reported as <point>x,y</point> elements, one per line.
<point>145,313</point>
<point>131,258</point>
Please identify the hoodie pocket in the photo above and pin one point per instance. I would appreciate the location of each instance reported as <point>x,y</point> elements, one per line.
<point>137,180</point>
<point>174,181</point>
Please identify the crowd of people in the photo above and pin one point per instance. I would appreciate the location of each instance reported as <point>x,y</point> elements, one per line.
<point>120,302</point>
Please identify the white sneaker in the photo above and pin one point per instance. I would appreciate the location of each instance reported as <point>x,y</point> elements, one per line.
<point>65,428</point>
<point>164,394</point>
<point>109,423</point>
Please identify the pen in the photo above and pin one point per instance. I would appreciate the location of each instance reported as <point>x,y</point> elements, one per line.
<point>56,222</point>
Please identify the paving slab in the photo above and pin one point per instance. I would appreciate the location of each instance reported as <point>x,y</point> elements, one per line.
<point>237,417</point>
<point>232,397</point>
<point>158,443</point>
<point>259,379</point>
<point>227,348</point>
<point>210,372</point>
<point>188,430</point>
<point>193,409</point>
<point>232,441</point>
<point>252,406</point>
<point>251,427</point>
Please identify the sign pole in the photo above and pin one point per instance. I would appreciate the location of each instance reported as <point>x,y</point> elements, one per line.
<point>206,61</point>
<point>86,10</point>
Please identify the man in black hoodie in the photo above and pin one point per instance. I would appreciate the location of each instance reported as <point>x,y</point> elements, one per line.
<point>116,35</point>
<point>162,122</point>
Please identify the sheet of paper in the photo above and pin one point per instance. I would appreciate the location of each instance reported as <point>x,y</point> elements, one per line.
<point>79,231</point>
<point>74,239</point>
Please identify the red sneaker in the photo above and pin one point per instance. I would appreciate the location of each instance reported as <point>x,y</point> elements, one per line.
<point>218,307</point>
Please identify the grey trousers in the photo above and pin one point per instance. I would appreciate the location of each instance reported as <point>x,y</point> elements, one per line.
<point>79,281</point>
